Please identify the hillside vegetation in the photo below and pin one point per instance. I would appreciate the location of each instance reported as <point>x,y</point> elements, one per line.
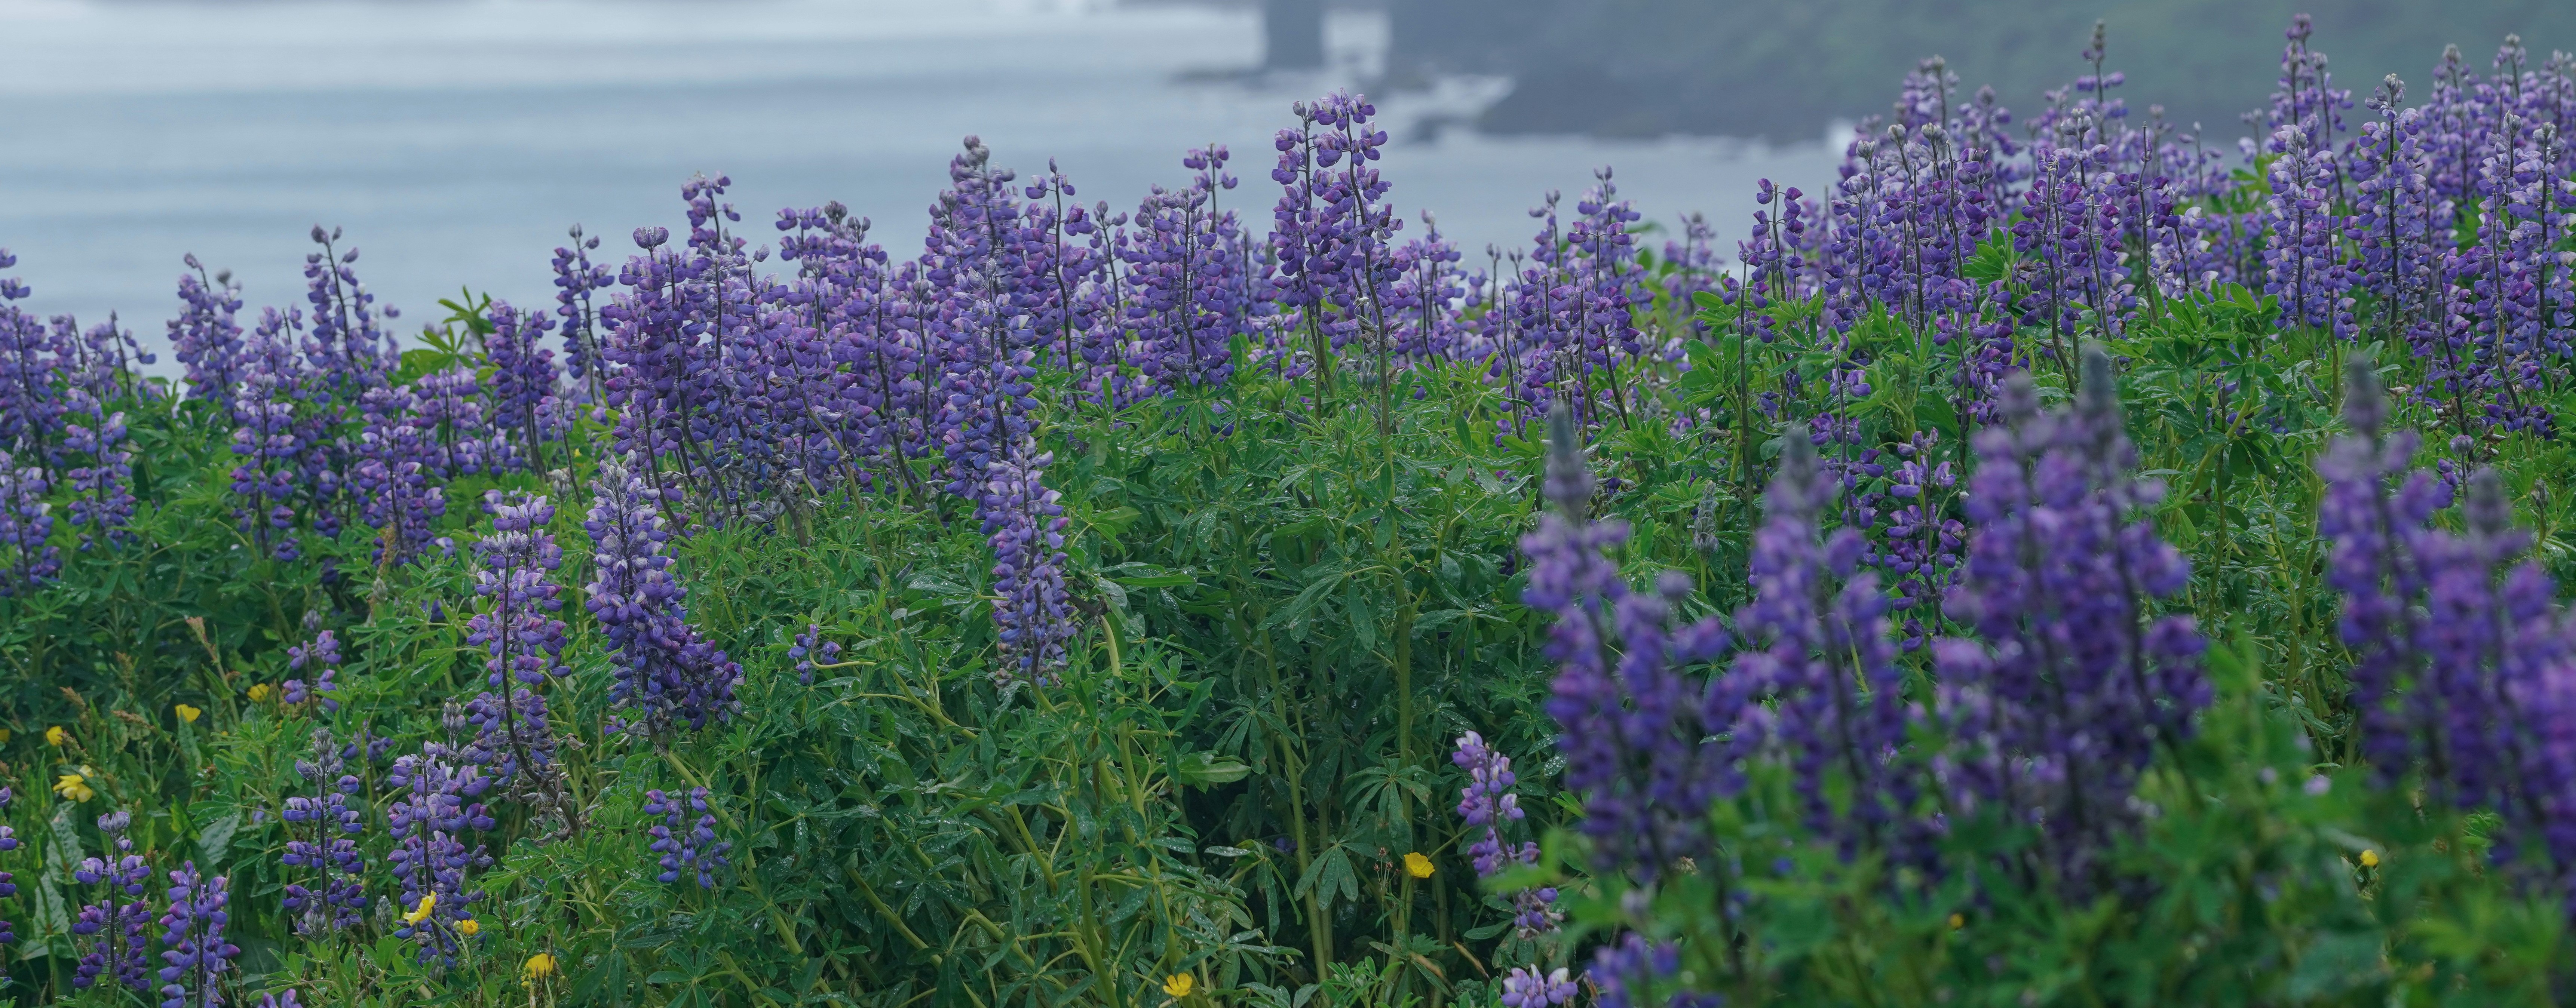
<point>2066,563</point>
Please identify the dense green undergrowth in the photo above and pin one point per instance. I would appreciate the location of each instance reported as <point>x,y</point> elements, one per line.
<point>1291,594</point>
<point>1287,615</point>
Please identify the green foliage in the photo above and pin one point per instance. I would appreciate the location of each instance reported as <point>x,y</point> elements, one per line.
<point>1290,608</point>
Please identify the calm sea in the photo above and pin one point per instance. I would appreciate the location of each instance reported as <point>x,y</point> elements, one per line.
<point>455,141</point>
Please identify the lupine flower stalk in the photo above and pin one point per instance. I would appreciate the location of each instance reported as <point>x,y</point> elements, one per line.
<point>810,651</point>
<point>1186,275</point>
<point>686,848</point>
<point>396,461</point>
<point>429,821</point>
<point>98,469</point>
<point>1488,801</point>
<point>1332,233</point>
<point>8,881</point>
<point>526,409</point>
<point>665,667</point>
<point>1527,987</point>
<point>321,660</point>
<point>115,924</point>
<point>193,934</point>
<point>1636,745</point>
<point>517,628</point>
<point>206,338</point>
<point>278,443</point>
<point>576,279</point>
<point>2072,681</point>
<point>1816,680</point>
<point>332,895</point>
<point>2302,263</point>
<point>1033,615</point>
<point>27,558</point>
<point>348,345</point>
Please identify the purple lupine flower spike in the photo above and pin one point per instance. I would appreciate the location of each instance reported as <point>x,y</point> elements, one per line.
<point>2376,513</point>
<point>2073,682</point>
<point>1488,801</point>
<point>526,401</point>
<point>34,366</point>
<point>1823,684</point>
<point>665,667</point>
<point>193,931</point>
<point>1527,987</point>
<point>1034,616</point>
<point>322,828</point>
<point>280,437</point>
<point>27,559</point>
<point>2464,677</point>
<point>321,660</point>
<point>811,650</point>
<point>686,848</point>
<point>97,464</point>
<point>576,278</point>
<point>1186,273</point>
<point>431,819</point>
<point>115,925</point>
<point>207,339</point>
<point>349,345</point>
<point>1636,747</point>
<point>516,626</point>
<point>8,881</point>
<point>1625,971</point>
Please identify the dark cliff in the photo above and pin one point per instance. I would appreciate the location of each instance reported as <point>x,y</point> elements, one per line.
<point>1782,69</point>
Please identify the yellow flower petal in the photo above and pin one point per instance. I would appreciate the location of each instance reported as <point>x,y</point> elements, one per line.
<point>2370,859</point>
<point>468,927</point>
<point>1957,922</point>
<point>421,913</point>
<point>259,692</point>
<point>57,735</point>
<point>1416,865</point>
<point>540,966</point>
<point>74,787</point>
<point>189,714</point>
<point>1179,984</point>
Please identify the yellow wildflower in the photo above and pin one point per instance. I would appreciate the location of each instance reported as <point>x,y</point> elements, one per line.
<point>74,787</point>
<point>421,913</point>
<point>1179,984</point>
<point>468,927</point>
<point>189,714</point>
<point>2370,859</point>
<point>1416,865</point>
<point>540,966</point>
<point>1957,921</point>
<point>57,736</point>
<point>4,736</point>
<point>259,692</point>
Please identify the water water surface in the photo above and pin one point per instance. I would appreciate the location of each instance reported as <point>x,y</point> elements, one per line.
<point>455,141</point>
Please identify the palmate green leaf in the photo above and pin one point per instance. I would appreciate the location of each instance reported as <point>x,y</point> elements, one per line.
<point>1329,877</point>
<point>1321,581</point>
<point>1994,260</point>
